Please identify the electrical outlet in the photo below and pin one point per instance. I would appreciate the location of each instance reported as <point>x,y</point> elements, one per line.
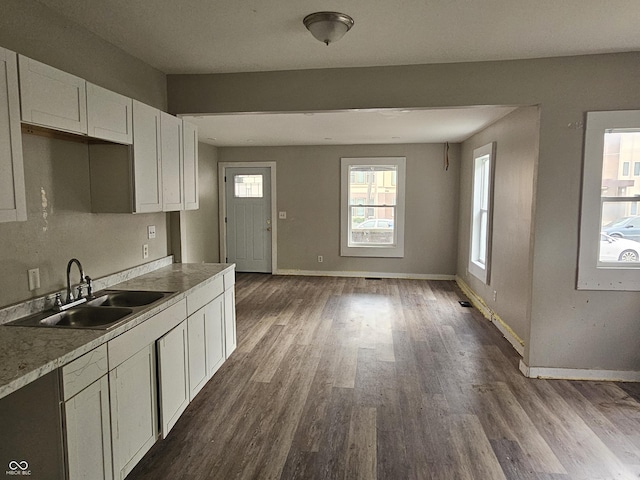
<point>151,231</point>
<point>282,215</point>
<point>495,295</point>
<point>145,251</point>
<point>34,278</point>
<point>320,259</point>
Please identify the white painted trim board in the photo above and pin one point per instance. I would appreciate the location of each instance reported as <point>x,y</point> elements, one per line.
<point>355,274</point>
<point>579,374</point>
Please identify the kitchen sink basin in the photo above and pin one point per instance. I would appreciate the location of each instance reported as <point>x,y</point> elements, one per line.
<point>77,317</point>
<point>86,317</point>
<point>108,309</point>
<point>126,298</point>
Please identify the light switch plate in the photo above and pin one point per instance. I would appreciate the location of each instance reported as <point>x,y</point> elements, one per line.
<point>282,215</point>
<point>151,231</point>
<point>34,278</point>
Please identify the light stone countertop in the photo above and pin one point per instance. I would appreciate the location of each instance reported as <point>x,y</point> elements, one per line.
<point>28,353</point>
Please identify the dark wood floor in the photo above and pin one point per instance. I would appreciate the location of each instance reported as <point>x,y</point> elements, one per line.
<point>338,378</point>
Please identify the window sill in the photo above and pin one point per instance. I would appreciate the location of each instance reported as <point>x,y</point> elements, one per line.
<point>372,251</point>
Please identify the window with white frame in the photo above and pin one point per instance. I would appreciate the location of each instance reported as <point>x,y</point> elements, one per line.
<point>481,198</point>
<point>609,255</point>
<point>247,186</point>
<point>372,207</point>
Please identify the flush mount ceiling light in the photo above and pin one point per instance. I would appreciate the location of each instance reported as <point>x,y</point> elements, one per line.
<point>328,27</point>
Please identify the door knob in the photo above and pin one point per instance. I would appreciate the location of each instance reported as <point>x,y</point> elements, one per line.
<point>268,229</point>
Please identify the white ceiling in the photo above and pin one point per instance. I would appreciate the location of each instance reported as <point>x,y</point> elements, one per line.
<point>221,36</point>
<point>215,36</point>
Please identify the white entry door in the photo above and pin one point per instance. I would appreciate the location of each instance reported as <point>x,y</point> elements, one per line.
<point>248,218</point>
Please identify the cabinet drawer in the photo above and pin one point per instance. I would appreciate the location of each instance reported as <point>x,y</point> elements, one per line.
<point>129,343</point>
<point>229,279</point>
<point>203,295</point>
<point>83,371</point>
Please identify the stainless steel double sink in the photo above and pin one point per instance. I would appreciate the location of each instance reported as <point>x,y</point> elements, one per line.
<point>106,310</point>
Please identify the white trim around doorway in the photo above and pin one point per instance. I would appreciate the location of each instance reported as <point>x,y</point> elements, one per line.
<point>222,204</point>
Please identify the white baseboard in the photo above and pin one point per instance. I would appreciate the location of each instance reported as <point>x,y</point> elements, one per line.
<point>326,273</point>
<point>578,374</point>
<point>516,342</point>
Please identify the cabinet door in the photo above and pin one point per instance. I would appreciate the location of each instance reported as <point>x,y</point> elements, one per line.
<point>197,352</point>
<point>88,433</point>
<point>215,334</point>
<point>13,205</point>
<point>173,376</point>
<point>190,162</point>
<point>109,115</point>
<point>230,321</point>
<point>134,425</point>
<point>172,193</point>
<point>147,167</point>
<point>51,97</point>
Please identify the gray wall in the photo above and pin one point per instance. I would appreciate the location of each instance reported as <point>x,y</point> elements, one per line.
<point>308,189</point>
<point>58,171</point>
<point>103,243</point>
<point>32,29</point>
<point>569,328</point>
<point>516,155</point>
<point>200,227</point>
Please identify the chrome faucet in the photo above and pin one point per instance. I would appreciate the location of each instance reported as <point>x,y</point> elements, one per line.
<point>70,297</point>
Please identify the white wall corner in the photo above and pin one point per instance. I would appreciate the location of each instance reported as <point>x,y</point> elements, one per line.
<point>579,374</point>
<point>516,342</point>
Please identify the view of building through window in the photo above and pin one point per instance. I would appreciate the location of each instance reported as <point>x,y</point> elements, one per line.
<point>620,196</point>
<point>372,204</point>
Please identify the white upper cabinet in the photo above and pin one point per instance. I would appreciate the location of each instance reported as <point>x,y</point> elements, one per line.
<point>129,179</point>
<point>190,162</point>
<point>109,115</point>
<point>172,192</point>
<point>12,190</point>
<point>159,173</point>
<point>147,165</point>
<point>146,178</point>
<point>52,98</point>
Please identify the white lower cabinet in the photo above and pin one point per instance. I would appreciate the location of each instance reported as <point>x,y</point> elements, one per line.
<point>206,343</point>
<point>215,336</point>
<point>197,352</point>
<point>173,376</point>
<point>229,321</point>
<point>85,390</point>
<point>120,397</point>
<point>134,425</point>
<point>88,433</point>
